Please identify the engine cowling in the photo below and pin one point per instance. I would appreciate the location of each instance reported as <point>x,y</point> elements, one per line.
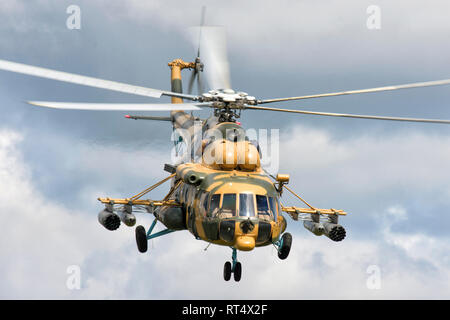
<point>229,155</point>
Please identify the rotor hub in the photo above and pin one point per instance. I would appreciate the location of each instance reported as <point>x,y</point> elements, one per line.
<point>227,103</point>
<point>228,97</point>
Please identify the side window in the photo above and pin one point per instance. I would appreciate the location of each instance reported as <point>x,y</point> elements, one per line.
<point>214,204</point>
<point>229,204</point>
<point>273,207</point>
<point>185,193</point>
<point>204,202</point>
<point>201,202</point>
<point>279,207</point>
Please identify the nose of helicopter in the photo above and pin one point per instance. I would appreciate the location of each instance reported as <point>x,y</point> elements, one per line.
<point>246,233</point>
<point>245,243</point>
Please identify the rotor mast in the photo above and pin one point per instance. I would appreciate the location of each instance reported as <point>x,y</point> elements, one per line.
<point>176,66</point>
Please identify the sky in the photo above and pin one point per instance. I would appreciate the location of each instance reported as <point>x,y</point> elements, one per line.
<point>392,178</point>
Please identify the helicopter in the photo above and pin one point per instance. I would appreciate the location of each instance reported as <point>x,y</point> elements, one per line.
<point>219,191</point>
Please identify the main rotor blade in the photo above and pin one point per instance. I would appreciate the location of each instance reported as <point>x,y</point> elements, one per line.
<point>202,23</point>
<point>213,48</point>
<point>344,115</point>
<point>120,106</point>
<point>88,81</point>
<point>199,84</point>
<point>341,93</point>
<point>191,81</point>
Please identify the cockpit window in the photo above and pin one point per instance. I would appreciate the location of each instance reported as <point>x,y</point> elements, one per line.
<point>262,205</point>
<point>273,207</point>
<point>205,201</point>
<point>246,205</point>
<point>229,203</point>
<point>214,204</point>
<point>185,193</point>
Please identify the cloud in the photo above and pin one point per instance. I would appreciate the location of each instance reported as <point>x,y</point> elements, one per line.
<point>408,159</point>
<point>40,237</point>
<point>369,173</point>
<point>288,29</point>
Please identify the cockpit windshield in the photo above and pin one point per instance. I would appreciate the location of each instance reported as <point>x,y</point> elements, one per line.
<point>246,205</point>
<point>262,204</point>
<point>273,207</point>
<point>266,207</point>
<point>228,205</point>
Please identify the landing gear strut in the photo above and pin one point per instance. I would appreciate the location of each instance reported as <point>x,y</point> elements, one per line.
<point>142,237</point>
<point>234,268</point>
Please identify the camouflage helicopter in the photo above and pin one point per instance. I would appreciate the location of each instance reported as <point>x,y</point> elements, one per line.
<point>220,194</point>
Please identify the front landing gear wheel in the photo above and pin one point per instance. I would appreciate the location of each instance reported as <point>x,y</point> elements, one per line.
<point>286,242</point>
<point>141,239</point>
<point>237,271</point>
<point>234,268</point>
<point>227,271</point>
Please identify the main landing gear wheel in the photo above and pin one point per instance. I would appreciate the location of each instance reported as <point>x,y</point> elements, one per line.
<point>286,242</point>
<point>141,239</point>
